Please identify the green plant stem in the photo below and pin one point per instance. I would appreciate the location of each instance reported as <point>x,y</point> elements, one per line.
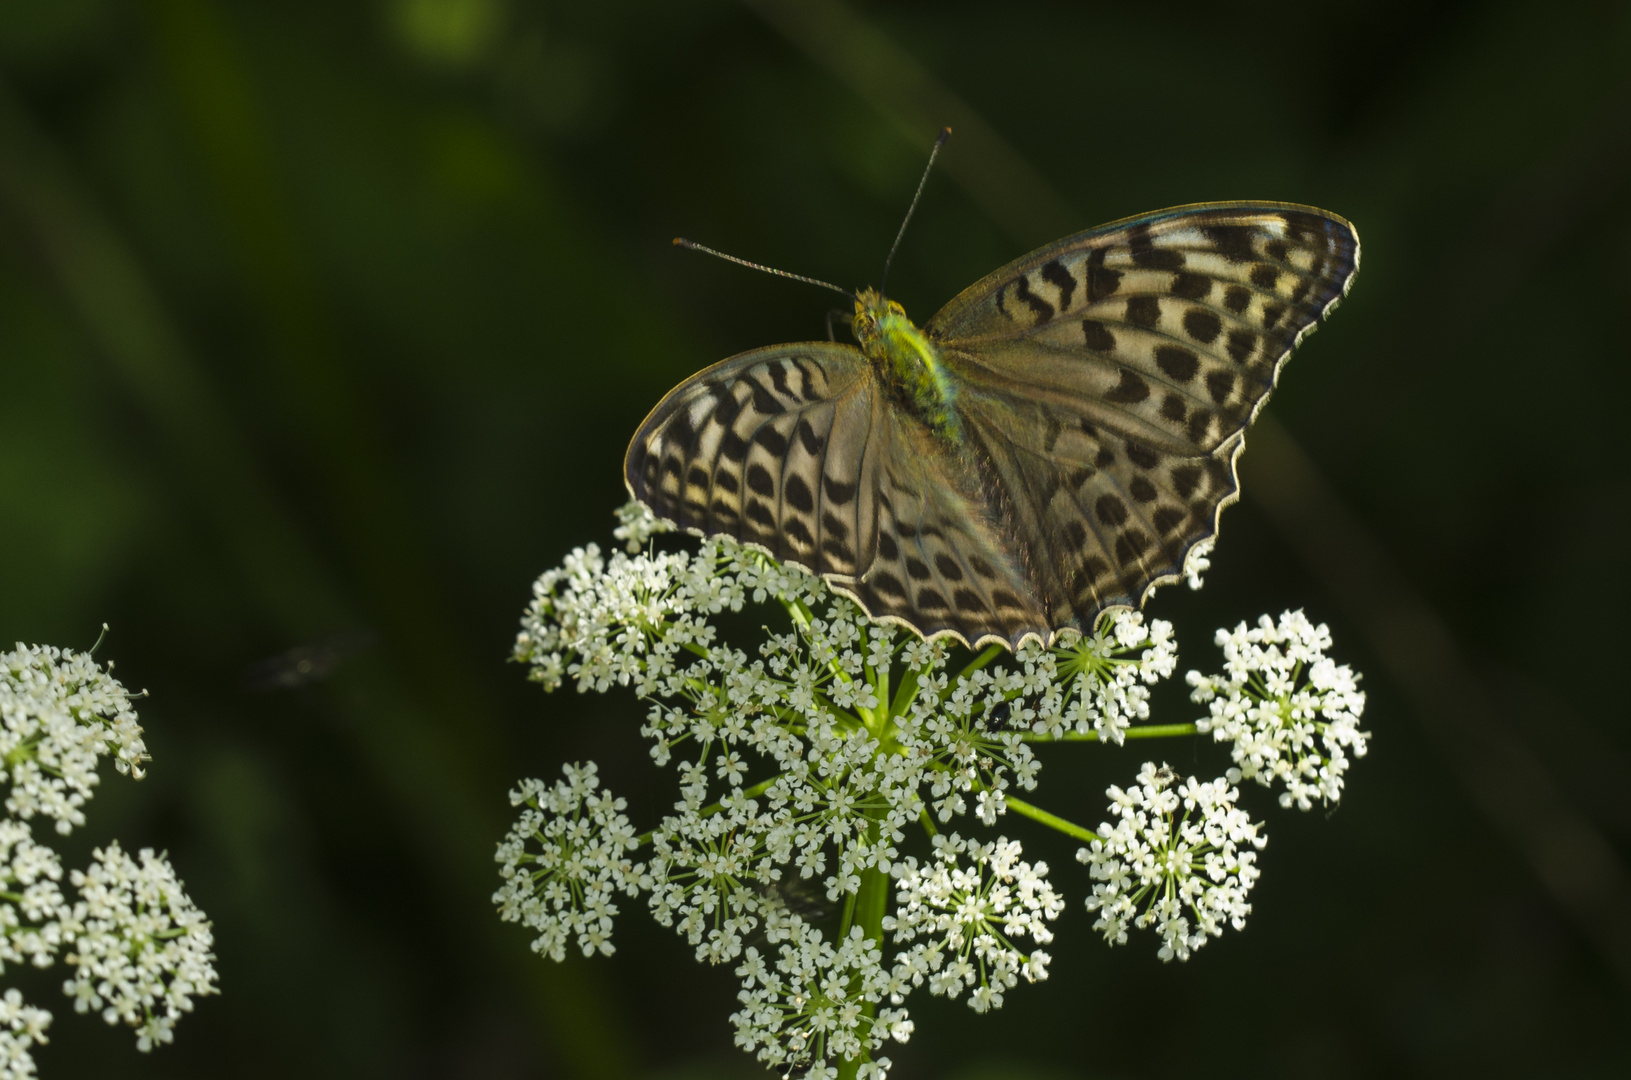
<point>870,903</point>
<point>906,692</point>
<point>848,916</point>
<point>1145,731</point>
<point>1052,821</point>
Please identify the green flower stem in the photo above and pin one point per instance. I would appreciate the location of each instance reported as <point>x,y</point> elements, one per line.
<point>885,707</point>
<point>1145,731</point>
<point>1052,821</point>
<point>866,906</point>
<point>871,901</point>
<point>906,693</point>
<point>848,916</point>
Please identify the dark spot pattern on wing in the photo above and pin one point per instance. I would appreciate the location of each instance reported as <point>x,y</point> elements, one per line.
<point>1131,388</point>
<point>1022,290</point>
<point>1176,362</point>
<point>1098,336</point>
<point>1062,280</point>
<point>1101,282</point>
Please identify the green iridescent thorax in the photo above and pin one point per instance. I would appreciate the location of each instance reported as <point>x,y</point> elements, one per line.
<point>907,362</point>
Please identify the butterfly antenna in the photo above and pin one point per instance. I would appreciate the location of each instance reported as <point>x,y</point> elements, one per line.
<point>945,133</point>
<point>680,241</point>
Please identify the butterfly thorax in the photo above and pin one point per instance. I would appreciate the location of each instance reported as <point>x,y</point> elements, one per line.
<point>907,363</point>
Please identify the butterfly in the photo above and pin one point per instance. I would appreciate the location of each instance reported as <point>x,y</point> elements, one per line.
<point>1052,444</point>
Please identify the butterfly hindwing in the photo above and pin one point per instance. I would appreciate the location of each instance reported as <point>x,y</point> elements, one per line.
<point>943,560</point>
<point>1100,515</point>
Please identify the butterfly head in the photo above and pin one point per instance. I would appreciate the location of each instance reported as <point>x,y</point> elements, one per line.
<point>876,318</point>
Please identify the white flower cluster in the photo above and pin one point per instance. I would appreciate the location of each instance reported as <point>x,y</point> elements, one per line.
<point>141,947</point>
<point>1291,713</point>
<point>960,921</point>
<point>1114,668</point>
<point>636,525</point>
<point>59,714</point>
<point>816,1004</point>
<point>21,1026</point>
<point>712,876</point>
<point>1196,865</point>
<point>804,762</point>
<point>1198,562</point>
<point>565,885</point>
<point>30,898</point>
<point>138,946</point>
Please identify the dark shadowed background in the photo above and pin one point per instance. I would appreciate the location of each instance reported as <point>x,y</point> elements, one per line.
<point>324,326</point>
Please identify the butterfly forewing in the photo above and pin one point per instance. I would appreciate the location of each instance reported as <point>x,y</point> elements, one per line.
<point>748,448</point>
<point>1172,325</point>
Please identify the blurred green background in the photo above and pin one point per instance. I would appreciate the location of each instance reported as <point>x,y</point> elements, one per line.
<point>325,325</point>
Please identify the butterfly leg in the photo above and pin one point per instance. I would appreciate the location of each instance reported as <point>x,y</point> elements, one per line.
<point>842,314</point>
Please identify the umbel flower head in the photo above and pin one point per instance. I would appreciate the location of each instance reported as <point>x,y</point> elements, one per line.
<point>139,948</point>
<point>1291,713</point>
<point>563,884</point>
<point>21,1026</point>
<point>60,714</point>
<point>1179,857</point>
<point>822,760</point>
<point>816,1004</point>
<point>960,922</point>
